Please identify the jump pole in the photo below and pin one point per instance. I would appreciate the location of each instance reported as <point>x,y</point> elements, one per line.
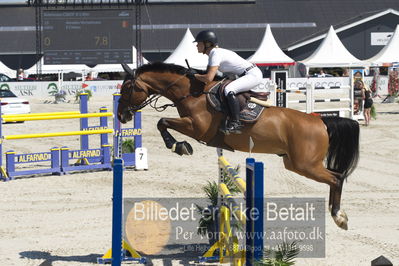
<point>57,117</point>
<point>84,122</point>
<point>253,189</point>
<point>117,197</point>
<point>118,253</point>
<point>254,201</point>
<point>117,141</point>
<point>58,134</point>
<point>138,159</point>
<point>40,114</point>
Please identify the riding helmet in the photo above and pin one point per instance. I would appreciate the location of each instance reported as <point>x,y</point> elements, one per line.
<point>206,36</point>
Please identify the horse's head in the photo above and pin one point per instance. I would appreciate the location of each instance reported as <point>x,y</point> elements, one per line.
<point>133,95</point>
<point>151,81</point>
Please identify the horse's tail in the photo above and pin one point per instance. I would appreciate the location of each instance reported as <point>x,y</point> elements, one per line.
<point>343,151</point>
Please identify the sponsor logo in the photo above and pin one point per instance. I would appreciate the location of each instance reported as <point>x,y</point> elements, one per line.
<point>84,154</point>
<point>32,157</point>
<point>251,105</point>
<point>4,87</point>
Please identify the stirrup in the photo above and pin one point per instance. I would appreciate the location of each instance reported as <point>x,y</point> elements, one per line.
<point>233,127</point>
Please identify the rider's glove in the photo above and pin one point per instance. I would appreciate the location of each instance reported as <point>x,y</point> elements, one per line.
<point>191,72</point>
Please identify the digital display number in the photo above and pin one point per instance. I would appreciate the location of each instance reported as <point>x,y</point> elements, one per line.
<point>87,36</point>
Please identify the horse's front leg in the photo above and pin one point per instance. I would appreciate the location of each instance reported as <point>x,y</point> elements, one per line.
<point>183,125</point>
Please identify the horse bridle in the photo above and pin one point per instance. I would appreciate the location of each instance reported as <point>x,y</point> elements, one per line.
<point>151,99</point>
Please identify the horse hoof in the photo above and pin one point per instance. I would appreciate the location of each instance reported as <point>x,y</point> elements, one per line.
<point>182,148</point>
<point>341,219</point>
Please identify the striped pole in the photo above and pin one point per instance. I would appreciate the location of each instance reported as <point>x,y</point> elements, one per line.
<point>233,175</point>
<point>322,100</point>
<point>233,205</point>
<point>332,88</point>
<point>59,134</point>
<point>41,114</point>
<point>56,117</point>
<point>299,91</point>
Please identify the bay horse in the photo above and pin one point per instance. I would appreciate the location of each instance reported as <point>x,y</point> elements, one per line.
<point>304,141</point>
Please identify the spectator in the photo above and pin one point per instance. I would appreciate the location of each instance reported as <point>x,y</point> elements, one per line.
<point>321,74</point>
<point>89,76</point>
<point>20,74</point>
<point>368,103</point>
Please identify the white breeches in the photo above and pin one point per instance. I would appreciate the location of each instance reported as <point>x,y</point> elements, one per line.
<point>245,83</point>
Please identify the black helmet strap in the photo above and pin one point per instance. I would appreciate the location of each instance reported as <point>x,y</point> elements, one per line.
<point>207,45</point>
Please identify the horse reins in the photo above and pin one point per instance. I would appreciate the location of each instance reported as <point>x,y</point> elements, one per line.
<point>152,99</point>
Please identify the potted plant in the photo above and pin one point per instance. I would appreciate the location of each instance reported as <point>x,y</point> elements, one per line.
<point>128,145</point>
<point>283,256</point>
<point>78,92</point>
<point>208,225</point>
<point>209,222</point>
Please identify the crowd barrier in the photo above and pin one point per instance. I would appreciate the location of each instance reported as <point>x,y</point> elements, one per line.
<point>228,244</point>
<point>312,96</point>
<point>60,157</point>
<point>311,99</point>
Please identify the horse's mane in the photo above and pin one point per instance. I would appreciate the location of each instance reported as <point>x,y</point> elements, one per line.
<point>166,68</point>
<point>161,67</point>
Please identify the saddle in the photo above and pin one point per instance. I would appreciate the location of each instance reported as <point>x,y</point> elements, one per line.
<point>249,111</point>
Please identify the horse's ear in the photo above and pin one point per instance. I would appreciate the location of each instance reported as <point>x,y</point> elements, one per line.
<point>128,69</point>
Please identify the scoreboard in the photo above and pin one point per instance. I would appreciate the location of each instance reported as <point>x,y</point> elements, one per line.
<point>87,36</point>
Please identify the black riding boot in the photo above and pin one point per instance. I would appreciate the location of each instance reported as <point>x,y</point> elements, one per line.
<point>234,124</point>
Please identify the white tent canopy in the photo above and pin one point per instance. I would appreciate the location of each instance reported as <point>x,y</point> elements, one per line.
<point>187,49</point>
<point>332,53</point>
<point>268,52</point>
<point>388,54</point>
<point>8,71</point>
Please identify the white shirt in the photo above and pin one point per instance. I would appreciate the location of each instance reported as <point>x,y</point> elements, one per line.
<point>227,61</point>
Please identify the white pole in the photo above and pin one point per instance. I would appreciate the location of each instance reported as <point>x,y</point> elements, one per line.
<point>272,88</point>
<point>309,96</point>
<point>219,152</point>
<point>352,97</point>
<point>60,76</point>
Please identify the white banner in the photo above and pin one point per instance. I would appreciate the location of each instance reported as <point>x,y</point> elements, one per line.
<point>382,84</point>
<point>380,38</point>
<point>293,83</point>
<point>44,89</point>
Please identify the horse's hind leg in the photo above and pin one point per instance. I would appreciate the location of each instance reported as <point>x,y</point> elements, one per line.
<point>339,216</point>
<point>321,174</point>
<point>316,171</point>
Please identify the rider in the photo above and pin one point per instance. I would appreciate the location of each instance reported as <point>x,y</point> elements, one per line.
<point>226,61</point>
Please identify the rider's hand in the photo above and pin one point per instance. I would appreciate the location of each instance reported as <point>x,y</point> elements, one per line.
<point>191,73</point>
